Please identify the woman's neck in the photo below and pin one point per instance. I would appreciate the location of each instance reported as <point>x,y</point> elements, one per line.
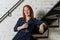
<point>28,18</point>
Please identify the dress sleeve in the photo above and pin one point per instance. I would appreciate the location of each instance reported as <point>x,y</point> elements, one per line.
<point>17,24</point>
<point>38,22</point>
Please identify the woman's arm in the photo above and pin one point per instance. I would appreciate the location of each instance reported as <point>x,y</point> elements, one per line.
<point>19,28</point>
<point>41,27</point>
<point>19,25</point>
<point>40,24</point>
<point>22,27</point>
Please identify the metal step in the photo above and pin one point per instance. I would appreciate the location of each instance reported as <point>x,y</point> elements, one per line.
<point>45,35</point>
<point>52,26</point>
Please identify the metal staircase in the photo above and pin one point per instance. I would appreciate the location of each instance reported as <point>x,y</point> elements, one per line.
<point>11,10</point>
<point>52,15</point>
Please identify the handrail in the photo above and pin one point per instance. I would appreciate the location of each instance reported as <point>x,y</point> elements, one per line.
<point>11,10</point>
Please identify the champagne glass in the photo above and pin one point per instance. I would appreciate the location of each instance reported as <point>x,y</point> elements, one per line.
<point>26,28</point>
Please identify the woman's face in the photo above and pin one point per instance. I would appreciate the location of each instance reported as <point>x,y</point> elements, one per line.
<point>27,11</point>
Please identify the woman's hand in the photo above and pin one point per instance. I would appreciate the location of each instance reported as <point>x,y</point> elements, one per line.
<point>25,25</point>
<point>41,27</point>
<point>22,27</point>
<point>19,28</point>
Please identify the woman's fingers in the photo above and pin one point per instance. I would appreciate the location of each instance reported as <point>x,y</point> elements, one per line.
<point>19,28</point>
<point>25,25</point>
<point>41,30</point>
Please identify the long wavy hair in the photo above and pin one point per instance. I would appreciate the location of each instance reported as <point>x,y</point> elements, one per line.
<point>31,12</point>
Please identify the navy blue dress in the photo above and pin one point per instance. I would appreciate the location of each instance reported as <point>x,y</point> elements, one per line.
<point>23,34</point>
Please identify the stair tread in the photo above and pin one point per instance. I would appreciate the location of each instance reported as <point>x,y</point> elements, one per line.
<point>41,35</point>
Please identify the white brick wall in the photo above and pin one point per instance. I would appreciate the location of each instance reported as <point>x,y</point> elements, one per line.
<point>6,27</point>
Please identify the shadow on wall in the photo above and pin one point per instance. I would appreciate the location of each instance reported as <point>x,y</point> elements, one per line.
<point>40,14</point>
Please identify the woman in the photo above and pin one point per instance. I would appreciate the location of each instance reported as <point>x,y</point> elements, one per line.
<point>25,25</point>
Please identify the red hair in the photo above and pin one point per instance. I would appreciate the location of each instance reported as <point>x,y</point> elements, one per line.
<point>31,12</point>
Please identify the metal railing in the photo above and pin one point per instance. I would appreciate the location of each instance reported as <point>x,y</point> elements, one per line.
<point>11,10</point>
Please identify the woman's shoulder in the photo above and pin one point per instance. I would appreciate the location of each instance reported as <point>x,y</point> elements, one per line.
<point>37,19</point>
<point>21,18</point>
